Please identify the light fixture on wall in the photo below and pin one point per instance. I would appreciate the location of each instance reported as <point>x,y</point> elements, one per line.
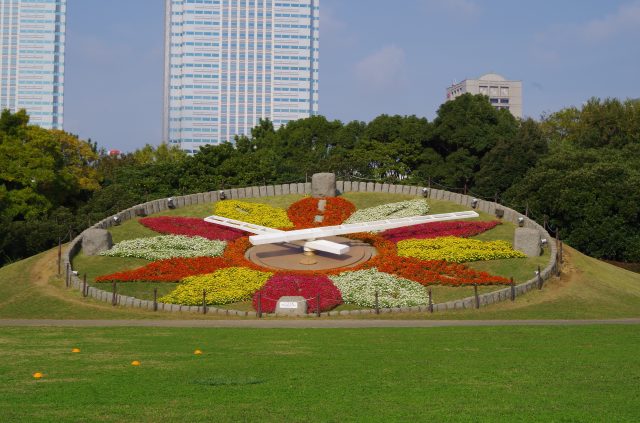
<point>116,220</point>
<point>222,195</point>
<point>521,221</point>
<point>544,242</point>
<point>474,203</point>
<point>425,192</point>
<point>171,203</point>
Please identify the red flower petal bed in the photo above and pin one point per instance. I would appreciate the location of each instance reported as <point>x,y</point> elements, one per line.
<point>438,229</point>
<point>302,213</point>
<point>191,226</point>
<point>171,270</point>
<point>306,286</point>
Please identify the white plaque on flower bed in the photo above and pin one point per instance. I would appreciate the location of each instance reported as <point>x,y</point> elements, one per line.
<point>292,305</point>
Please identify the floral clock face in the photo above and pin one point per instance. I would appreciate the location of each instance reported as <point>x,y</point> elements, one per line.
<point>204,257</point>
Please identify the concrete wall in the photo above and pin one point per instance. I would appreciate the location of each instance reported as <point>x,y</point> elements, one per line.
<point>156,206</point>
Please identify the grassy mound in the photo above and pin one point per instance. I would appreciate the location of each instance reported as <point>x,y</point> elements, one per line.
<point>588,288</point>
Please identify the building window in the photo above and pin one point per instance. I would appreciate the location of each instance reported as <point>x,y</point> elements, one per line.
<point>493,91</point>
<point>493,100</point>
<point>504,91</point>
<point>504,100</point>
<point>483,90</point>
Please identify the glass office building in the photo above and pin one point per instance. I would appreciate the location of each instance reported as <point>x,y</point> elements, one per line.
<point>229,63</point>
<point>32,37</point>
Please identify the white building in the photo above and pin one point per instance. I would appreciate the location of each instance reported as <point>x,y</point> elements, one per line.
<point>32,38</point>
<point>229,63</point>
<point>502,94</point>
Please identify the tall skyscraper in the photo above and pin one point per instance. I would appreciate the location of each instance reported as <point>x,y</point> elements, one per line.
<point>32,37</point>
<point>503,94</point>
<point>229,63</point>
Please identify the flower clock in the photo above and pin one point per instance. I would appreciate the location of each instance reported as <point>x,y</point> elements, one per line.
<point>199,256</point>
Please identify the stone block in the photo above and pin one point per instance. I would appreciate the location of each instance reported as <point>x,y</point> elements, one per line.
<point>255,192</point>
<point>406,189</point>
<point>95,241</point>
<point>307,188</point>
<point>263,191</point>
<point>347,186</point>
<point>339,187</point>
<point>270,191</point>
<point>414,190</point>
<point>528,241</point>
<point>293,188</point>
<point>301,188</point>
<point>285,189</point>
<point>370,187</point>
<point>385,188</point>
<point>362,186</point>
<point>277,190</point>
<point>323,185</point>
<point>291,305</point>
<point>234,194</point>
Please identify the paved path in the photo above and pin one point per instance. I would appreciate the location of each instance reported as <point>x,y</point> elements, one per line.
<point>309,323</point>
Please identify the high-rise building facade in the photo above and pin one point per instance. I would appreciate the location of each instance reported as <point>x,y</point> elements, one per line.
<point>32,38</point>
<point>229,63</point>
<point>503,94</point>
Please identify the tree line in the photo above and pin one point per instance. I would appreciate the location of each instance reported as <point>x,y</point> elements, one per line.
<point>578,169</point>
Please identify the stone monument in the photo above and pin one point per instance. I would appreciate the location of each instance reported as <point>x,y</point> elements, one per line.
<point>323,185</point>
<point>95,241</point>
<point>295,306</point>
<point>527,241</point>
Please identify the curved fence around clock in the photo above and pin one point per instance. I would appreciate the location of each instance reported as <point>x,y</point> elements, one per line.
<point>155,206</point>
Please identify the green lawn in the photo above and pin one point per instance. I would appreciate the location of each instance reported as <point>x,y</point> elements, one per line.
<point>484,374</point>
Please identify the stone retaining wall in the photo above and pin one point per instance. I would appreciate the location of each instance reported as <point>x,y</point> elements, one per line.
<point>156,206</point>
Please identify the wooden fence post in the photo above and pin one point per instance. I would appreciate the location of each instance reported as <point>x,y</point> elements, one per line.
<point>114,297</point>
<point>155,299</point>
<point>259,305</point>
<point>204,301</point>
<point>475,294</point>
<point>540,281</point>
<point>513,289</point>
<point>59,254</point>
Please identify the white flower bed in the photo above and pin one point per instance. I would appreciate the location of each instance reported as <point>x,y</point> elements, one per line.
<point>167,246</point>
<point>417,207</point>
<point>360,288</point>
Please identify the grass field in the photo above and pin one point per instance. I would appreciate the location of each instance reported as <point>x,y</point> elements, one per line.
<point>562,374</point>
<point>520,269</point>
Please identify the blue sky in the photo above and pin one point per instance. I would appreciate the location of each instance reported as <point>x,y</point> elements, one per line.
<point>376,56</point>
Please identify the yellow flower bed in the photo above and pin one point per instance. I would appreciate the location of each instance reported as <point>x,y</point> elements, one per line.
<point>457,250</point>
<point>223,286</point>
<point>259,214</point>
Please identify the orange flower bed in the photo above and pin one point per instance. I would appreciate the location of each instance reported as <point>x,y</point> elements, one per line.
<point>302,213</point>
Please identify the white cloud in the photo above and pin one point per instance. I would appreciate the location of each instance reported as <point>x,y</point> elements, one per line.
<point>382,70</point>
<point>626,18</point>
<point>559,41</point>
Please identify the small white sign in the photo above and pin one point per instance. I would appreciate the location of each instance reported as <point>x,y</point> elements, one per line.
<point>288,304</point>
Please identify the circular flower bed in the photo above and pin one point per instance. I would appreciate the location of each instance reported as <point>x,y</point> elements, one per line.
<point>303,213</point>
<point>360,288</point>
<point>165,247</point>
<point>399,272</point>
<point>307,286</point>
<point>223,286</point>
